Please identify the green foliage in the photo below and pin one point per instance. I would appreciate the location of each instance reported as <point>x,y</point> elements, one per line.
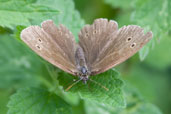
<point>17,31</point>
<point>161,53</point>
<point>32,12</point>
<point>145,14</point>
<point>4,98</point>
<point>44,86</point>
<point>94,92</point>
<point>34,101</point>
<point>125,4</point>
<point>18,62</point>
<point>135,105</point>
<point>143,52</point>
<point>67,14</point>
<point>153,82</point>
<point>20,12</point>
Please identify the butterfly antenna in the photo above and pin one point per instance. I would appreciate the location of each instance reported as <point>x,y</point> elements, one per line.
<point>73,84</point>
<point>99,84</point>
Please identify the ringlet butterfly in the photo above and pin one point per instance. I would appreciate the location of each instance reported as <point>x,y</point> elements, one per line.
<point>101,45</point>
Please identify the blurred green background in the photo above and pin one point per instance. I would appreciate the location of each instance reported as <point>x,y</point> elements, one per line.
<point>148,73</point>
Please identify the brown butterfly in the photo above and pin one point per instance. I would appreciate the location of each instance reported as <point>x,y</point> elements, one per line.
<point>101,45</point>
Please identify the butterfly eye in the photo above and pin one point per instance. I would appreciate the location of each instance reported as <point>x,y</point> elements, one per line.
<point>133,45</point>
<point>129,39</point>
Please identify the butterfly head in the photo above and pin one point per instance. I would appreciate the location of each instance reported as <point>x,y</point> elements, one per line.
<point>84,74</point>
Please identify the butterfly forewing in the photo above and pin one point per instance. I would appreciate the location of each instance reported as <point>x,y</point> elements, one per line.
<point>54,44</point>
<point>111,46</point>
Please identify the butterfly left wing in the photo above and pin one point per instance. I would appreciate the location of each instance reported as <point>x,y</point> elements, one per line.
<point>54,44</point>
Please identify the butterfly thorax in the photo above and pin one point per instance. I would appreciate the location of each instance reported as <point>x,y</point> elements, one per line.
<point>83,70</point>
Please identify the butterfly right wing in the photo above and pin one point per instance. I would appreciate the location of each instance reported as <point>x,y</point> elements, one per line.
<point>128,41</point>
<point>54,44</point>
<point>106,46</point>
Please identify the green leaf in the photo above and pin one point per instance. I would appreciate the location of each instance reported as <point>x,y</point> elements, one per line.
<point>135,105</point>
<point>156,19</point>
<point>70,98</point>
<point>35,101</point>
<point>19,66</point>
<point>125,4</point>
<point>17,31</point>
<point>33,12</point>
<point>143,52</point>
<point>21,12</point>
<point>96,108</point>
<point>79,108</point>
<point>5,31</point>
<point>142,108</point>
<point>67,14</point>
<point>94,92</point>
<point>149,80</point>
<point>159,57</point>
<point>4,97</point>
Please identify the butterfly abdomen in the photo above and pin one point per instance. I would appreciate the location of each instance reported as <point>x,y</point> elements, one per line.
<point>80,58</point>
